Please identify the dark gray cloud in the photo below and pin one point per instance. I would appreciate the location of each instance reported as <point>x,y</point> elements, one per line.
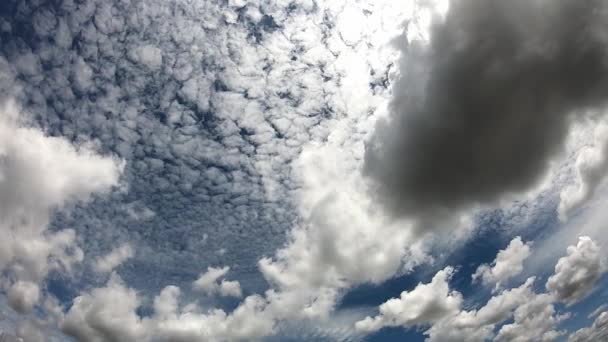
<point>480,110</point>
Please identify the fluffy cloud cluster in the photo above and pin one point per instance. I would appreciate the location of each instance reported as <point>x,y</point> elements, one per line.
<point>576,273</point>
<point>40,174</point>
<point>598,331</point>
<point>110,261</point>
<point>208,282</point>
<point>533,314</point>
<point>110,314</point>
<point>508,263</point>
<point>425,304</point>
<point>591,166</point>
<point>307,276</point>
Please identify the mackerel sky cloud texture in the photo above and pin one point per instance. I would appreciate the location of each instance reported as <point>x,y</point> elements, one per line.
<point>201,170</point>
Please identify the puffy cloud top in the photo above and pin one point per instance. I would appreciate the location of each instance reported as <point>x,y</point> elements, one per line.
<point>576,274</point>
<point>508,263</point>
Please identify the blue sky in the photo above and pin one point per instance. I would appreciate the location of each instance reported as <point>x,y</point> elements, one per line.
<point>193,170</point>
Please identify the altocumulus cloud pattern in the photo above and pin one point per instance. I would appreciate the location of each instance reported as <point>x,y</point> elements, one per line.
<point>303,170</point>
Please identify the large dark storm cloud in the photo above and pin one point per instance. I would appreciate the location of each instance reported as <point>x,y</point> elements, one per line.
<point>480,110</point>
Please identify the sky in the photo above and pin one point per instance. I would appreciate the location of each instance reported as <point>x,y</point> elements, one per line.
<point>303,170</point>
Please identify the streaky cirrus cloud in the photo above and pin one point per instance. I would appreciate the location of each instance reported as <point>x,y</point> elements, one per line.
<point>480,110</point>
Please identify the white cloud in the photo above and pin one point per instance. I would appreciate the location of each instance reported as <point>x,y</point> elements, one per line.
<point>534,320</point>
<point>209,283</point>
<point>105,314</point>
<point>591,165</point>
<point>109,314</point>
<point>321,261</point>
<point>115,258</point>
<point>576,274</point>
<point>150,56</point>
<point>598,331</point>
<point>425,304</point>
<point>479,324</point>
<point>39,174</point>
<point>508,263</point>
<point>23,295</point>
<point>534,314</point>
<point>230,288</point>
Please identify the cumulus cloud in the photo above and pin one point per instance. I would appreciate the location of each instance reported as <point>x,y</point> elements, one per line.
<point>110,314</point>
<point>39,174</point>
<point>591,166</point>
<point>479,324</point>
<point>534,316</point>
<point>105,314</point>
<point>434,305</point>
<point>576,273</point>
<point>535,320</point>
<point>115,258</point>
<point>508,263</point>
<point>209,283</point>
<point>425,304</point>
<point>320,261</point>
<point>598,331</point>
<point>479,111</point>
<point>23,295</point>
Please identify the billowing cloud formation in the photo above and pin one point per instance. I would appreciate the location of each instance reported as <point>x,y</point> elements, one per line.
<point>591,170</point>
<point>108,314</point>
<point>598,331</point>
<point>534,320</point>
<point>39,174</point>
<point>427,303</point>
<point>23,295</point>
<point>534,315</point>
<point>479,111</point>
<point>576,274</point>
<point>508,263</point>
<point>105,315</point>
<point>113,259</point>
<point>209,283</point>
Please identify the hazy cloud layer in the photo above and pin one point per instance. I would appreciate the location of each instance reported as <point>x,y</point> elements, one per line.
<point>479,112</point>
